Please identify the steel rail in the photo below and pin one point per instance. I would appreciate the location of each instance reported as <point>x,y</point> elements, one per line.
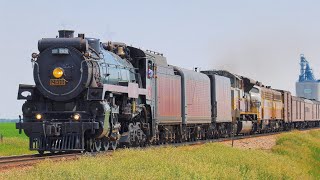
<point>25,160</point>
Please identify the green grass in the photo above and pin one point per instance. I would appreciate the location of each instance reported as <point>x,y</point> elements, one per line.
<point>13,143</point>
<point>9,130</point>
<point>296,156</point>
<point>303,148</point>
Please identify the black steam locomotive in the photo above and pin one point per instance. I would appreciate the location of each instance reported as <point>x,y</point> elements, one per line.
<point>92,96</point>
<point>88,95</point>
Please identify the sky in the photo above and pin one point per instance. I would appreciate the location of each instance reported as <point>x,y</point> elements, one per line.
<point>259,39</point>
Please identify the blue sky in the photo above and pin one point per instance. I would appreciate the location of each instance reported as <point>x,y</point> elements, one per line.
<point>259,39</point>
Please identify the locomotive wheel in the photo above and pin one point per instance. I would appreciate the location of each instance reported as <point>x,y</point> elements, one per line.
<point>41,152</point>
<point>113,145</point>
<point>105,144</point>
<point>210,134</point>
<point>97,145</point>
<point>90,146</point>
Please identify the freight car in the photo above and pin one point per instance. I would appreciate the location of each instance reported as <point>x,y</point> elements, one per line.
<point>91,96</point>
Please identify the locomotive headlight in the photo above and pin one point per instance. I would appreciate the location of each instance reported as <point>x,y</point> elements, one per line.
<point>57,72</point>
<point>38,116</point>
<point>76,117</point>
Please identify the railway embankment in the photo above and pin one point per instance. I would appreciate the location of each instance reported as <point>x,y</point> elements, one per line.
<point>292,155</point>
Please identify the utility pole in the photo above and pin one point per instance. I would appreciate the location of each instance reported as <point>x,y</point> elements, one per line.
<point>235,114</point>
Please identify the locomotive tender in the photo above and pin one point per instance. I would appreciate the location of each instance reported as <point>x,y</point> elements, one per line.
<point>92,96</point>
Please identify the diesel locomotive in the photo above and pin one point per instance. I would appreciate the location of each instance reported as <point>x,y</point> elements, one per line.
<point>91,96</point>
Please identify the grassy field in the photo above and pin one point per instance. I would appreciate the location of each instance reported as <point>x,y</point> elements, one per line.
<point>302,148</point>
<point>296,156</point>
<point>13,143</point>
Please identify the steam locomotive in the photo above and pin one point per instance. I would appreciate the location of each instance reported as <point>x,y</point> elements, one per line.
<point>93,96</point>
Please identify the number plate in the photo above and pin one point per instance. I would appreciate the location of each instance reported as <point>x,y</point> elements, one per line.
<point>57,82</point>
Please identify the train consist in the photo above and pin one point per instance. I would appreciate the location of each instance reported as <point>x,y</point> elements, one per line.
<point>92,96</point>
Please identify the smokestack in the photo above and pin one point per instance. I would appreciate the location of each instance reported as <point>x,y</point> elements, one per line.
<point>66,33</point>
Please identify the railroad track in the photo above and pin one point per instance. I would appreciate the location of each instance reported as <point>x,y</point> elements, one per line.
<point>28,160</point>
<point>238,137</point>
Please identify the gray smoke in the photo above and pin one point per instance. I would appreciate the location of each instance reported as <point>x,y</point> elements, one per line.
<point>271,57</point>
